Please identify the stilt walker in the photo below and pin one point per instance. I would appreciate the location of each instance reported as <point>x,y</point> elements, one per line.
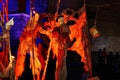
<point>34,62</point>
<point>50,45</point>
<point>8,27</point>
<point>6,33</point>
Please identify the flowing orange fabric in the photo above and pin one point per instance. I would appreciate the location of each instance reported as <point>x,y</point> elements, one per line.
<point>27,45</point>
<point>80,32</point>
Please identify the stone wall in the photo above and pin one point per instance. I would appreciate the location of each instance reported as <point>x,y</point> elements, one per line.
<point>111,43</point>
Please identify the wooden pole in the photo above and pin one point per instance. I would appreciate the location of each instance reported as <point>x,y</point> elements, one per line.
<point>87,45</point>
<point>46,63</point>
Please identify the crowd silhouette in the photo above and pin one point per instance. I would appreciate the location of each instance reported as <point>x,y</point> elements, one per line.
<point>106,64</point>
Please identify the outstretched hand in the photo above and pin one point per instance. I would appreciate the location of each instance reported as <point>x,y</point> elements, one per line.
<point>9,24</point>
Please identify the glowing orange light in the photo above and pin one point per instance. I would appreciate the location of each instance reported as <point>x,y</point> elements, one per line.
<point>94,32</point>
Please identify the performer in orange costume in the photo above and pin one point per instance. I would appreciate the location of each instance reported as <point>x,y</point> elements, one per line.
<point>59,42</point>
<point>27,45</point>
<point>64,40</point>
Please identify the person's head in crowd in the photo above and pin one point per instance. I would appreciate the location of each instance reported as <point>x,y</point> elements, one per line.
<point>60,20</point>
